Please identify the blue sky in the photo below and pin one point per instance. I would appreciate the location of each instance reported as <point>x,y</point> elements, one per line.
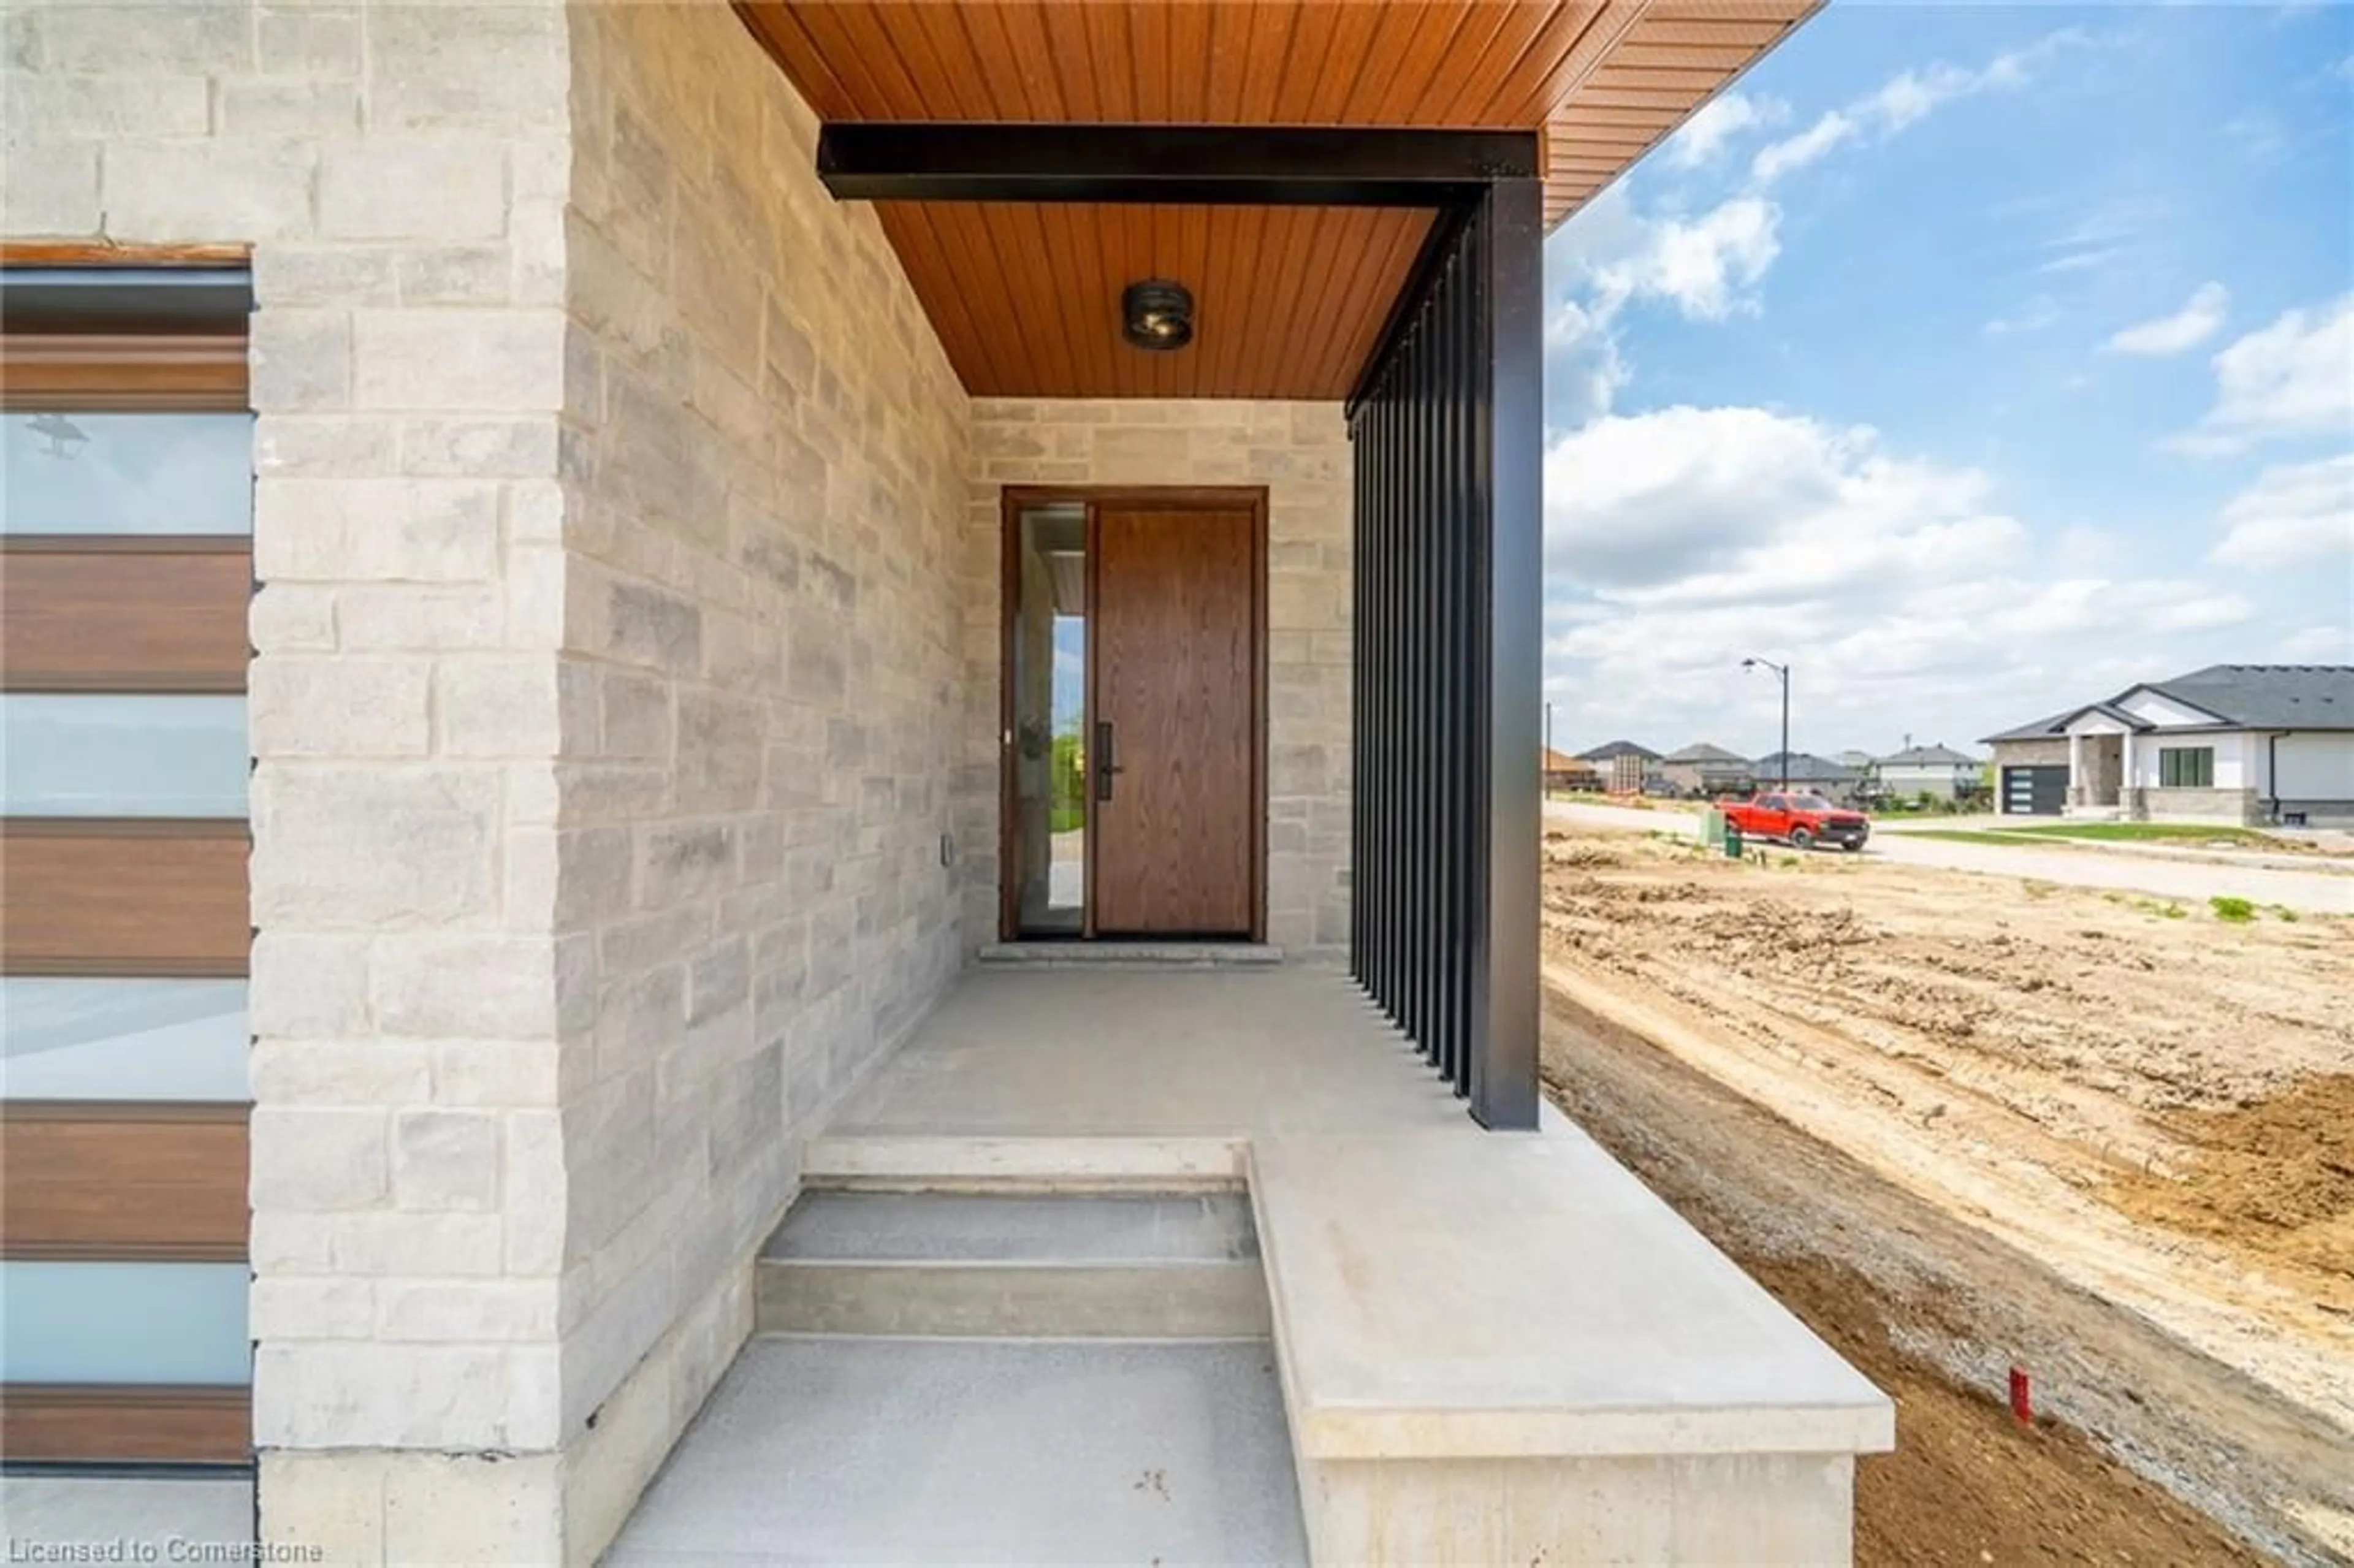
<point>1976,361</point>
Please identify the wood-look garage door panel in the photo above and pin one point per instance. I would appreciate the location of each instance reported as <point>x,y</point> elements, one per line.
<point>151,618</point>
<point>168,1425</point>
<point>124,898</point>
<point>121,1182</point>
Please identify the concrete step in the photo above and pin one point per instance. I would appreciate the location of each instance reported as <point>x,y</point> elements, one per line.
<point>1051,1267</point>
<point>965,1451</point>
<point>1131,955</point>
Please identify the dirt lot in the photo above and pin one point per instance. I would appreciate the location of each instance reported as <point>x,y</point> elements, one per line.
<point>2072,1132</point>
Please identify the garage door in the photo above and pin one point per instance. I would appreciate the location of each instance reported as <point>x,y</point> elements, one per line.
<point>2034,791</point>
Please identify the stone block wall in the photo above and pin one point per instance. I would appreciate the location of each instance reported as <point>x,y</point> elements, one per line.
<point>2237,807</point>
<point>625,697</point>
<point>763,460</point>
<point>609,486</point>
<point>1300,452</point>
<point>399,173</point>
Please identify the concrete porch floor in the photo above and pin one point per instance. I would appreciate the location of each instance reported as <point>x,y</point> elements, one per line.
<point>1490,1347</point>
<point>1140,1074</point>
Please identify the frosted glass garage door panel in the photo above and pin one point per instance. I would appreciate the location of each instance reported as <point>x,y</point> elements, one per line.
<point>2313,766</point>
<point>123,1039</point>
<point>123,1323</point>
<point>123,757</point>
<point>77,472</point>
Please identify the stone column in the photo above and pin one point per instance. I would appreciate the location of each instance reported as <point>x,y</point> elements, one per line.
<point>2080,789</point>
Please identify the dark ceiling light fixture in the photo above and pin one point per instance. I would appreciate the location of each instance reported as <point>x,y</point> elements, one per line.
<point>1157,314</point>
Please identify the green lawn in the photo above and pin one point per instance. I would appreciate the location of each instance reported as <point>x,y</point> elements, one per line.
<point>2107,832</point>
<point>2152,832</point>
<point>1966,835</point>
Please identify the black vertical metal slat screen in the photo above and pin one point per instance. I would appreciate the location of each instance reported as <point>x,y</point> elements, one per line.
<point>1444,862</point>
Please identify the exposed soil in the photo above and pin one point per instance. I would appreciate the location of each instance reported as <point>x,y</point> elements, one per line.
<point>1937,1313</point>
<point>2118,1143</point>
<point>2280,1170</point>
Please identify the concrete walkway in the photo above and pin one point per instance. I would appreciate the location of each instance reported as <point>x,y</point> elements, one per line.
<point>851,1450</point>
<point>2194,882</point>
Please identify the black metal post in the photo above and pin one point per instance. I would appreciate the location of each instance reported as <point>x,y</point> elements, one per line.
<point>1448,427</point>
<point>1503,1086</point>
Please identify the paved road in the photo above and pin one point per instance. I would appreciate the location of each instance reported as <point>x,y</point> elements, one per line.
<point>2194,882</point>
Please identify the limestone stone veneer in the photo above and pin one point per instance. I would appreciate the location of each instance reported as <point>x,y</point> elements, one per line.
<point>1503,1349</point>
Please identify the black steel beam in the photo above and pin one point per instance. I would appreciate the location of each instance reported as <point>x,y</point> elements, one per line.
<point>1217,165</point>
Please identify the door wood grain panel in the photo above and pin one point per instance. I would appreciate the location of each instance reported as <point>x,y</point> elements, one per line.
<point>123,615</point>
<point>121,1182</point>
<point>190,1425</point>
<point>112,896</point>
<point>1175,629</point>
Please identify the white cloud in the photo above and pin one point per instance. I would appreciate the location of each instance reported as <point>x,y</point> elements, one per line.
<point>1706,265</point>
<point>2100,235</point>
<point>2080,260</point>
<point>2200,317</point>
<point>2033,316</point>
<point>2294,378</point>
<point>2291,515</point>
<point>1704,136</point>
<point>1679,541</point>
<point>1834,129</point>
<point>2316,645</point>
<point>1904,99</point>
<point>1584,367</point>
<point>1703,265</point>
<point>1690,507</point>
<point>2260,136</point>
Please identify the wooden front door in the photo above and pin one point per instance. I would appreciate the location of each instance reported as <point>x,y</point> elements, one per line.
<point>1173,742</point>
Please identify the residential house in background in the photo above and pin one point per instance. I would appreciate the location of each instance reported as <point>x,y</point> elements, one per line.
<point>1700,768</point>
<point>1627,768</point>
<point>2246,744</point>
<point>1939,771</point>
<point>628,622</point>
<point>1833,780</point>
<point>1564,772</point>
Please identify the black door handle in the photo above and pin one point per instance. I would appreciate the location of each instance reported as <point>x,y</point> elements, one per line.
<point>1106,764</point>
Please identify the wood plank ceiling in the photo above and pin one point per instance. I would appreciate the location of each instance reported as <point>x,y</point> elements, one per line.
<point>1026,299</point>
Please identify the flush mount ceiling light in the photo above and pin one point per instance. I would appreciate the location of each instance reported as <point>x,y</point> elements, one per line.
<point>1157,314</point>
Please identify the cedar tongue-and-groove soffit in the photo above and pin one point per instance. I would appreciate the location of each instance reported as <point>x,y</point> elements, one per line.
<point>1290,300</point>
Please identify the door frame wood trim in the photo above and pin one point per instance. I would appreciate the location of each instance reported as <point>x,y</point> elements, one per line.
<point>1011,499</point>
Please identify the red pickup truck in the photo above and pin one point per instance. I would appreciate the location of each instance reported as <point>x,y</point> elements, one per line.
<point>1801,820</point>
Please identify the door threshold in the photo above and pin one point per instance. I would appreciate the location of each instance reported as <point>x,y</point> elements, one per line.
<point>1070,954</point>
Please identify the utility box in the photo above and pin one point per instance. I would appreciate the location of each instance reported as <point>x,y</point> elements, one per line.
<point>1732,841</point>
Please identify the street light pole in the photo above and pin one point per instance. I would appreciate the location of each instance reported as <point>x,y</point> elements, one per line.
<point>1548,756</point>
<point>1783,670</point>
